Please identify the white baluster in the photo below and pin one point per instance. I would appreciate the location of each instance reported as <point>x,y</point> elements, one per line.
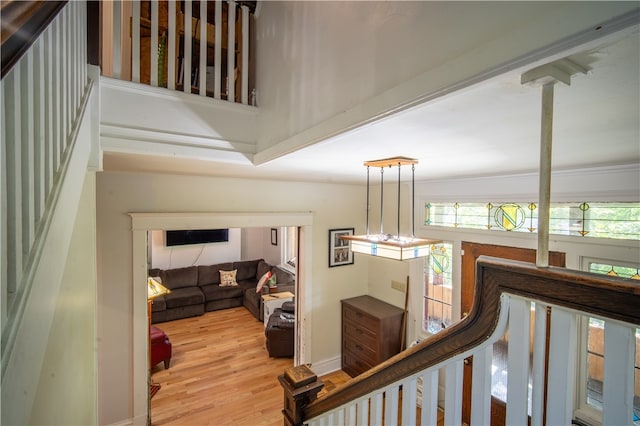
<point>27,156</point>
<point>117,39</point>
<point>481,386</point>
<point>363,412</point>
<point>244,72</point>
<point>4,296</point>
<point>429,401</point>
<point>217,52</point>
<point>453,393</point>
<point>203,48</point>
<point>231,51</point>
<point>376,409</point>
<point>171,47</point>
<point>618,386</point>
<point>14,184</point>
<point>154,44</point>
<point>39,127</point>
<point>187,47</point>
<point>562,356</point>
<point>409,395</point>
<point>135,40</point>
<point>62,80</point>
<point>537,368</point>
<point>49,134</point>
<point>518,361</point>
<point>391,401</point>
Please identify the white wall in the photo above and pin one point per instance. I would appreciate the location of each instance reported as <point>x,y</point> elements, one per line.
<point>332,206</point>
<point>256,244</point>
<point>324,67</point>
<point>67,389</point>
<point>164,257</point>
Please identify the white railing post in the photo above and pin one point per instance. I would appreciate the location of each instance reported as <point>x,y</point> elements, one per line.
<point>39,128</point>
<point>27,156</point>
<point>518,361</point>
<point>3,207</point>
<point>562,360</point>
<point>186,67</point>
<point>429,400</point>
<point>391,400</point>
<point>231,51</point>
<point>153,51</point>
<point>618,386</point>
<point>14,180</point>
<point>203,49</point>
<point>376,409</point>
<point>117,39</point>
<point>171,47</point>
<point>453,393</point>
<point>538,364</point>
<point>481,386</point>
<point>217,51</point>
<point>245,55</point>
<point>409,399</point>
<point>363,412</point>
<point>135,40</point>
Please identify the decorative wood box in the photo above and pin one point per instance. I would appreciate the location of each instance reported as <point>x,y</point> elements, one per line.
<point>370,333</point>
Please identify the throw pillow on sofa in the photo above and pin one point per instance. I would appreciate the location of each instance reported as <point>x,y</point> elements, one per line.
<point>228,278</point>
<point>263,279</point>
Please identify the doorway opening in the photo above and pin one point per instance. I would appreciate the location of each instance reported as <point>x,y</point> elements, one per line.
<point>142,223</point>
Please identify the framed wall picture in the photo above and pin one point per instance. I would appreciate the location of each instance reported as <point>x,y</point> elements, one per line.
<point>340,250</point>
<point>274,236</point>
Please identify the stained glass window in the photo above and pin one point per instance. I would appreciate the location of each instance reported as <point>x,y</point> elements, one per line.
<point>596,220</point>
<point>437,289</point>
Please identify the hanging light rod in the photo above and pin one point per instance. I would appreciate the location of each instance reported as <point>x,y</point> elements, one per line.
<point>396,246</point>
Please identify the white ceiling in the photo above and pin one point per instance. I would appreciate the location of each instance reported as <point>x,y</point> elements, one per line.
<point>492,128</point>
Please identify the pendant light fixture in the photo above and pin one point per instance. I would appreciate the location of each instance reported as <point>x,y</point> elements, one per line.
<point>392,246</point>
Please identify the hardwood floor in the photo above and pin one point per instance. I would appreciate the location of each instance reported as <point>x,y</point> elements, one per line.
<point>220,373</point>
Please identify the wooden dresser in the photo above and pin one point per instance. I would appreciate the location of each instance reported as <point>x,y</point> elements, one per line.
<point>370,333</point>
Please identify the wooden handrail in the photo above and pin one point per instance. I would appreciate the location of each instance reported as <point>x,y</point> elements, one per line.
<point>601,295</point>
<point>22,23</point>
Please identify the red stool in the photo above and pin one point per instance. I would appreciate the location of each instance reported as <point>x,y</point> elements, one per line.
<point>160,347</point>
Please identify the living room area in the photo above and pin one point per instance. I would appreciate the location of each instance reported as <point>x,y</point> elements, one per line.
<point>226,328</point>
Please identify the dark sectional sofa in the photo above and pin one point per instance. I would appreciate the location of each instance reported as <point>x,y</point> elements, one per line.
<point>196,289</point>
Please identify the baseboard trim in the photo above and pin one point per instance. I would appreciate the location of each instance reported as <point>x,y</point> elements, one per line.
<point>326,366</point>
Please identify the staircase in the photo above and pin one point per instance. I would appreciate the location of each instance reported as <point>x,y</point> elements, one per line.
<point>389,393</point>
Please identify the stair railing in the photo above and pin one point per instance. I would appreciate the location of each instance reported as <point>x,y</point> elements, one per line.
<point>174,45</point>
<point>44,90</point>
<point>392,392</point>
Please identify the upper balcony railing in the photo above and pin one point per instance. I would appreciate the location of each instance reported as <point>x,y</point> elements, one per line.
<point>199,47</point>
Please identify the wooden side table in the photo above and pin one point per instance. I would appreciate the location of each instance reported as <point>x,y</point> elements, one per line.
<point>271,302</point>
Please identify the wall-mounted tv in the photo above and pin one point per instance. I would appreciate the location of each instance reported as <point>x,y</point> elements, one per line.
<point>196,236</point>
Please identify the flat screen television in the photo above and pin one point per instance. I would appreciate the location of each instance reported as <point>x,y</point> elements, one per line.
<point>196,236</point>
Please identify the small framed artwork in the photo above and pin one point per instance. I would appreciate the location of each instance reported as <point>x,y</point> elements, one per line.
<point>340,250</point>
<point>274,237</point>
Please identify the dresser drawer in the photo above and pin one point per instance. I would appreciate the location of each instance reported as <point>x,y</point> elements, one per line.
<point>360,350</point>
<point>362,319</point>
<point>354,331</point>
<point>353,365</point>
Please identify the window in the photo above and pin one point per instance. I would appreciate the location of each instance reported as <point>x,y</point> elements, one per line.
<point>593,346</point>
<point>289,247</point>
<point>437,289</point>
<point>596,220</point>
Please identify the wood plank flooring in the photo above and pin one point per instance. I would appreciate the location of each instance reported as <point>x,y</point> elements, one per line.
<point>220,373</point>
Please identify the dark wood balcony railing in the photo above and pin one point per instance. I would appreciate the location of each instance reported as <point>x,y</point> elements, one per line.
<point>498,280</point>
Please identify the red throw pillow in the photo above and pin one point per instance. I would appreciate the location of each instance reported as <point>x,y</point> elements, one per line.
<point>263,279</point>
